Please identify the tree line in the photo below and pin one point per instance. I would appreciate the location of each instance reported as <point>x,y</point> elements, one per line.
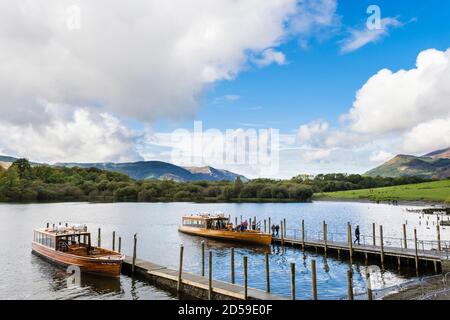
<point>22,182</point>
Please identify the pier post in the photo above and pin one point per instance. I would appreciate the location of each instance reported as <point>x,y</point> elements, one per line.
<point>350,242</point>
<point>114,241</point>
<point>48,225</point>
<point>350,284</point>
<point>284,227</point>
<point>255,222</point>
<point>405,239</point>
<point>120,244</point>
<point>180,269</point>
<point>232,265</point>
<point>438,237</point>
<point>250,224</point>
<point>203,258</point>
<point>325,240</point>
<point>99,237</point>
<point>245,278</point>
<point>270,224</point>
<point>210,276</point>
<point>292,281</point>
<point>314,279</point>
<point>416,258</point>
<point>282,233</point>
<point>134,253</point>
<point>381,246</point>
<point>369,285</point>
<point>235,222</point>
<point>265,226</point>
<point>303,234</point>
<point>374,238</point>
<point>267,273</point>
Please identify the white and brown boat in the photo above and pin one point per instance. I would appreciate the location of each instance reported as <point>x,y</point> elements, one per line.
<point>219,227</point>
<point>72,246</point>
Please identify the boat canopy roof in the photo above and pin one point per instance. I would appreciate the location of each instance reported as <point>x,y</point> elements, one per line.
<point>60,231</point>
<point>206,216</point>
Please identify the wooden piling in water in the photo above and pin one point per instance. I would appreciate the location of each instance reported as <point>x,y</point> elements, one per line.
<point>405,239</point>
<point>303,234</point>
<point>350,284</point>
<point>210,276</point>
<point>313,279</point>
<point>350,242</point>
<point>134,253</point>
<point>235,222</point>
<point>99,237</point>
<point>369,286</point>
<point>416,258</point>
<point>381,246</point>
<point>292,281</point>
<point>438,237</point>
<point>284,228</point>
<point>324,230</point>
<point>232,265</point>
<point>203,258</point>
<point>114,241</point>
<point>180,269</point>
<point>374,241</point>
<point>282,233</point>
<point>245,279</point>
<point>267,273</point>
<point>270,224</point>
<point>120,244</point>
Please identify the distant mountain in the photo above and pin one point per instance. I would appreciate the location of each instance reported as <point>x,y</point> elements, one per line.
<point>433,165</point>
<point>439,154</point>
<point>6,161</point>
<point>160,170</point>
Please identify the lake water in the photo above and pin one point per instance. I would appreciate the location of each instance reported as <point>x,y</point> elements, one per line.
<point>25,276</point>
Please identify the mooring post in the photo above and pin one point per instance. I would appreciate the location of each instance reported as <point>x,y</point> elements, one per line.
<point>270,224</point>
<point>438,237</point>
<point>282,233</point>
<point>303,234</point>
<point>99,237</point>
<point>265,225</point>
<point>369,285</point>
<point>374,239</point>
<point>267,273</point>
<point>255,222</point>
<point>324,230</point>
<point>381,246</point>
<point>314,279</point>
<point>114,241</point>
<point>350,284</point>
<point>203,258</point>
<point>292,281</point>
<point>210,276</point>
<point>235,222</point>
<point>285,229</point>
<point>48,225</point>
<point>232,265</point>
<point>405,239</point>
<point>245,278</point>
<point>134,253</point>
<point>250,223</point>
<point>350,242</point>
<point>120,244</point>
<point>180,269</point>
<point>416,252</point>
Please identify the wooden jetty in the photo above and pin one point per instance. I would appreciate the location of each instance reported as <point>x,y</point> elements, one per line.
<point>193,286</point>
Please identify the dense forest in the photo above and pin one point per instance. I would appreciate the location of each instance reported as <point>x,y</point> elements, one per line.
<point>22,182</point>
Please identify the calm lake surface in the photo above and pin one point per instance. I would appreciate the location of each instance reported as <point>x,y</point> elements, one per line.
<point>25,276</point>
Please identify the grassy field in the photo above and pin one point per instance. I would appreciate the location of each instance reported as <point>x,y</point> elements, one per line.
<point>430,191</point>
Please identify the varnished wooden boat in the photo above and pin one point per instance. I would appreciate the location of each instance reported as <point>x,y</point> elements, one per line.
<point>67,246</point>
<point>218,227</point>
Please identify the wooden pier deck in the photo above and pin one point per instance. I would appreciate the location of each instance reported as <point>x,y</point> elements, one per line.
<point>194,286</point>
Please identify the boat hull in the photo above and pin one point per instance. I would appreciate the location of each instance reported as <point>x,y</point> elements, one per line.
<point>97,266</point>
<point>235,236</point>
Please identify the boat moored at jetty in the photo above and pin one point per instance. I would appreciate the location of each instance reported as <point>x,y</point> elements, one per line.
<point>219,227</point>
<point>71,246</point>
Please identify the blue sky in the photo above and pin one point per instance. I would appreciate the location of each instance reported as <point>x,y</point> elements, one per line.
<point>344,97</point>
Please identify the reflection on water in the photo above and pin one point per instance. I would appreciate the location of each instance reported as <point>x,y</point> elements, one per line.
<point>25,276</point>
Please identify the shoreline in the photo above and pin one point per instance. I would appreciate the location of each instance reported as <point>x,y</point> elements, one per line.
<point>418,203</point>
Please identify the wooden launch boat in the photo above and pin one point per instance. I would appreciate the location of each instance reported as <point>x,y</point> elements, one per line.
<point>72,246</point>
<point>219,227</point>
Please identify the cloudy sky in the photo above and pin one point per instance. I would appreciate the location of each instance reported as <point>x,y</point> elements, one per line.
<point>96,81</point>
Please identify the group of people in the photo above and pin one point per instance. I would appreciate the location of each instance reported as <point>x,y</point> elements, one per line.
<point>275,230</point>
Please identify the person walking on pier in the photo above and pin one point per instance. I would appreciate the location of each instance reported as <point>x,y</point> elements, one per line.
<point>357,235</point>
<point>277,229</point>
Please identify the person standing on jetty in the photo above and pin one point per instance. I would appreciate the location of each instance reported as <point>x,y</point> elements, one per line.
<point>277,229</point>
<point>273,230</point>
<point>357,235</point>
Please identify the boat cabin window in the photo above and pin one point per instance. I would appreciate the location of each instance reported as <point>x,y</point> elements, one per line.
<point>44,239</point>
<point>194,223</point>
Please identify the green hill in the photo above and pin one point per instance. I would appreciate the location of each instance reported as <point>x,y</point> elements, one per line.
<point>430,191</point>
<point>406,165</point>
